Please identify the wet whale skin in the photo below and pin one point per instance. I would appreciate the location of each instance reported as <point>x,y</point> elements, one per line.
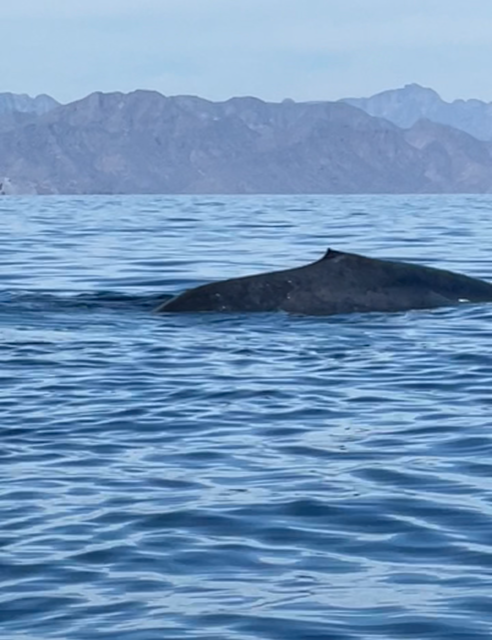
<point>338,283</point>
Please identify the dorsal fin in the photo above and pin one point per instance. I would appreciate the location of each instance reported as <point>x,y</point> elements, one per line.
<point>331,254</point>
<point>328,254</point>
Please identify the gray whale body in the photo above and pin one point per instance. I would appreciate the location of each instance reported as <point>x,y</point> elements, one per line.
<point>338,283</point>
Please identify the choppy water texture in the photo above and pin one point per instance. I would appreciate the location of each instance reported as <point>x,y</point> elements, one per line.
<point>239,477</point>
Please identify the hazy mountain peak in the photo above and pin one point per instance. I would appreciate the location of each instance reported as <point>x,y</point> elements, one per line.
<point>411,103</point>
<point>22,103</point>
<point>418,89</point>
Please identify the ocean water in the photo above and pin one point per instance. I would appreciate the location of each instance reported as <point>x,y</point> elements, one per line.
<point>239,477</point>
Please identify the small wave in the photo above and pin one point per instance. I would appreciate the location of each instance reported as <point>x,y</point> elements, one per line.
<point>94,301</point>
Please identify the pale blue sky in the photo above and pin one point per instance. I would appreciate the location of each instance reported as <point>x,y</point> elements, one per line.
<point>273,49</point>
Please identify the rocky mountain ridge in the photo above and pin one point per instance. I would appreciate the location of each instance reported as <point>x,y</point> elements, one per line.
<point>144,142</point>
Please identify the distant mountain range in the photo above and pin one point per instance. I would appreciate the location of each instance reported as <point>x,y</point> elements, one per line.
<point>404,107</point>
<point>144,142</point>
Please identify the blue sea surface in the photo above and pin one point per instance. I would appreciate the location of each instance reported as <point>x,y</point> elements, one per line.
<point>239,477</point>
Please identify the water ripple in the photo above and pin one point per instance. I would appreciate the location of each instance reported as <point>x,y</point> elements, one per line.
<point>239,477</point>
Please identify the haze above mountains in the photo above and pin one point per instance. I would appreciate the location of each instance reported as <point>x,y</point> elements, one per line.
<point>401,141</point>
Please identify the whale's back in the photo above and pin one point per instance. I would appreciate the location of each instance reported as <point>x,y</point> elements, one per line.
<point>338,283</point>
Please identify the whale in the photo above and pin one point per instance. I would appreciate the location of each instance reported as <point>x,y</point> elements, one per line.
<point>337,283</point>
